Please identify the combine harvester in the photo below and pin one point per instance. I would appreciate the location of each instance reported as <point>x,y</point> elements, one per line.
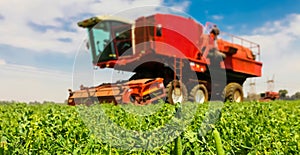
<point>172,57</point>
<point>269,94</point>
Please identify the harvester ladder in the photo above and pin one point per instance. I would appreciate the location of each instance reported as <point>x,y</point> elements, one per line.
<point>178,68</point>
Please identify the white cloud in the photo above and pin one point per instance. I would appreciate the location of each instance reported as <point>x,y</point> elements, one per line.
<point>2,62</point>
<point>16,31</point>
<point>217,17</point>
<point>27,83</point>
<point>30,83</point>
<point>280,52</point>
<point>181,6</point>
<point>1,17</point>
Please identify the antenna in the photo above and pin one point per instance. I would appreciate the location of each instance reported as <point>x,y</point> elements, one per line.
<point>252,87</point>
<point>270,83</point>
<point>252,92</point>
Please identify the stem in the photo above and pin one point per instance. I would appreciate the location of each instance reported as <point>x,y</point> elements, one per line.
<point>178,146</point>
<point>219,146</point>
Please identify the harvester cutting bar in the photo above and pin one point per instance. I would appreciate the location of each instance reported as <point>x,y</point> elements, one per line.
<point>89,95</point>
<point>141,91</point>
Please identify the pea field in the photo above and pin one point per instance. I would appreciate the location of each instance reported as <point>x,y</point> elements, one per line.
<point>244,128</point>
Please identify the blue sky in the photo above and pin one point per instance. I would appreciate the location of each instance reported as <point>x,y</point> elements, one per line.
<point>40,40</point>
<point>243,15</point>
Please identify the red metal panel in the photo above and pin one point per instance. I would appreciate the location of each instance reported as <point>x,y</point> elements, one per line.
<point>178,32</point>
<point>242,60</point>
<point>252,68</point>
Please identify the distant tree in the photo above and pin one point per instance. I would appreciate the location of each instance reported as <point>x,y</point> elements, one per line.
<point>34,102</point>
<point>282,93</point>
<point>296,96</point>
<point>48,102</point>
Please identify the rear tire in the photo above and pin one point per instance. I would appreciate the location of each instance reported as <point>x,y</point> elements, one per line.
<point>176,92</point>
<point>199,94</point>
<point>89,101</point>
<point>233,92</point>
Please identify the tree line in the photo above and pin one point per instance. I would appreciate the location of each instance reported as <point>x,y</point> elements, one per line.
<point>283,94</point>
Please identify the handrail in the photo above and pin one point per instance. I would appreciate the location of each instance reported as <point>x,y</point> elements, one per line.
<point>254,47</point>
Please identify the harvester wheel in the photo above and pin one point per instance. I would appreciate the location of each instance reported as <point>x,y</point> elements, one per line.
<point>234,92</point>
<point>135,99</point>
<point>199,94</point>
<point>176,92</point>
<point>88,101</point>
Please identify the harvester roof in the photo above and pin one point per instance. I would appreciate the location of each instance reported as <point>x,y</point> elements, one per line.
<point>90,22</point>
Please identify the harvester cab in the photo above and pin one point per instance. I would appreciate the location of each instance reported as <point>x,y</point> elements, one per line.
<point>109,38</point>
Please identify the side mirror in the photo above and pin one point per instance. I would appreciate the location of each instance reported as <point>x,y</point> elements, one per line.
<point>159,30</point>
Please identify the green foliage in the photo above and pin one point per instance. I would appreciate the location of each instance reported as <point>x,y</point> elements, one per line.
<point>245,128</point>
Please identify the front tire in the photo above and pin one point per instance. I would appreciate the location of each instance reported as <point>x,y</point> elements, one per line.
<point>176,92</point>
<point>234,92</point>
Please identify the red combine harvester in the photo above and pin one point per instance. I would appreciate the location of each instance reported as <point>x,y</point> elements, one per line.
<point>172,58</point>
<point>269,96</point>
